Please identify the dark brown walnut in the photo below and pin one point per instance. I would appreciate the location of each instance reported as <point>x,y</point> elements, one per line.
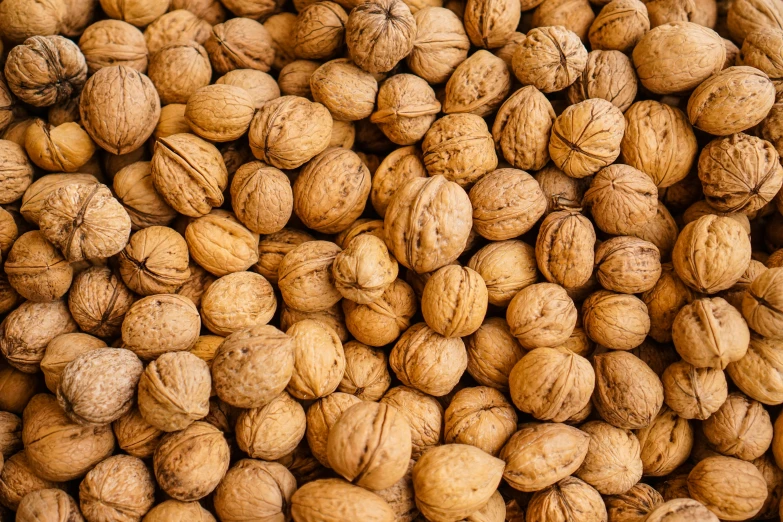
<point>119,108</point>
<point>294,78</point>
<point>731,488</point>
<point>761,305</point>
<point>366,372</point>
<point>628,265</point>
<point>586,137</point>
<point>608,75</point>
<point>10,434</point>
<point>63,148</point>
<point>406,108</point>
<point>272,484</point>
<point>565,248</point>
<point>551,384</point>
<point>48,504</point>
<point>379,34</point>
<point>305,277</point>
<point>319,32</point>
<point>289,131</point>
<point>57,448</point>
<point>621,199</point>
<point>261,86</point>
<point>16,172</point>
<point>440,44</point>
<point>272,431</point>
<point>155,261</point>
<point>563,449</point>
<point>740,428</point>
<point>159,324</point>
<point>613,463</point>
<point>45,70</point>
<point>178,70</point>
<point>747,16</point>
<point>711,253</point>
<point>240,43</point>
<point>343,88</point>
<point>522,127</point>
<point>62,350</point>
<point>27,330</point>
<point>506,268</point>
<point>628,394</point>
<point>445,205</point>
<point>677,57</point>
<point>135,435</point>
<point>134,188</point>
<point>479,85</point>
<point>541,315</point>
<point>85,222</point>
<point>506,204</point>
<point>617,321</point>
<point>281,27</point>
<point>619,26</point>
<point>564,499</point>
<point>711,107</point>
<point>427,361</point>
<point>740,173</point>
<point>460,148</point>
<point>385,319</point>
<point>693,393</point>
<point>482,417</point>
<point>36,269</point>
<point>665,444</point>
<point>22,19</point>
<point>334,499</point>
<point>119,488</point>
<point>634,505</point>
<point>550,58</point>
<point>424,414</point>
<point>762,50</point>
<point>490,23</point>
<point>399,166</point>
<point>204,448</point>
<point>321,416</point>
<point>272,249</point>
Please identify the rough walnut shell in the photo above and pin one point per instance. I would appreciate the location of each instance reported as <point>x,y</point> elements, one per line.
<point>37,192</point>
<point>381,322</point>
<point>271,431</point>
<point>522,128</point>
<point>710,333</point>
<point>16,172</point>
<point>36,269</point>
<point>135,435</point>
<point>48,504</point>
<point>460,148</point>
<point>272,249</point>
<point>407,107</point>
<point>10,434</point>
<point>762,50</point>
<point>319,33</point>
<point>366,372</point>
<point>221,244</point>
<point>622,199</point>
<point>491,23</point>
<point>364,270</point>
<point>159,324</point>
<point>176,511</point>
<point>628,394</point>
<point>113,42</point>
<point>481,417</point>
<point>98,301</point>
<point>22,19</point>
<point>729,487</point>
<point>479,85</point>
<point>608,75</point>
<point>666,443</point>
<point>757,373</point>
<point>747,16</point>
<point>424,414</point>
<point>633,505</point>
<point>379,34</point>
<point>550,58</point>
<point>220,112</point>
<point>237,301</point>
<point>240,43</point>
<point>454,301</point>
<point>541,315</point>
<point>261,86</point>
<point>761,305</point>
<point>294,78</point>
<point>319,360</point>
<point>506,268</point>
<point>134,188</point>
<point>617,321</point>
<point>272,485</point>
<point>565,248</point>
<point>155,261</point>
<point>492,353</point>
<point>398,167</point>
<point>740,428</point>
<point>321,416</point>
<point>120,488</point>
<point>613,463</point>
<point>178,70</point>
<point>333,500</point>
<point>561,501</point>
<point>305,277</point>
<point>693,393</point>
<point>18,478</point>
<point>619,26</point>
<point>628,265</point>
<point>440,44</point>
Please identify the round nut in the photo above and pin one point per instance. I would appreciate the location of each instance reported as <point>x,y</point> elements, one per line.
<point>628,265</point>
<point>481,417</point>
<point>133,185</point>
<point>541,315</point>
<point>340,498</point>
<point>424,414</point>
<point>619,26</point>
<point>18,478</point>
<point>430,58</point>
<point>522,128</point>
<point>47,504</point>
<point>366,372</point>
<point>550,58</point>
<point>173,318</point>
<point>59,148</point>
<point>219,112</point>
<point>628,394</point>
<point>36,269</point>
<point>237,301</point>
<point>221,244</point>
<point>240,43</point>
<point>346,90</point>
<point>178,70</point>
<point>319,360</point>
<point>557,501</point>
<point>136,436</point>
<point>319,33</point>
<point>613,463</point>
<point>27,330</point>
<point>710,333</point>
<point>395,170</point>
<point>608,75</point>
<point>305,277</point>
<point>460,148</point>
<point>407,107</point>
<point>761,305</point>
<point>454,301</point>
<point>715,480</point>
<point>666,443</point>
<point>379,34</point>
<point>479,85</point>
<point>506,268</point>
<point>261,86</point>
<point>272,484</point>
<point>155,261</point>
<point>272,249</point>
<point>621,199</point>
<point>493,352</point>
<point>634,504</point>
<point>273,430</point>
<point>740,428</point>
<point>617,321</point>
<point>693,393</point>
<point>565,248</point>
<point>383,321</point>
<point>119,488</point>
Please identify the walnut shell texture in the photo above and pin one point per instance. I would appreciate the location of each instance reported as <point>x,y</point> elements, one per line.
<point>119,488</point>
<point>628,394</point>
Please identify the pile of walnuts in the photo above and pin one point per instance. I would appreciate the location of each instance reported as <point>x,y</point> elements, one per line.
<point>391,260</point>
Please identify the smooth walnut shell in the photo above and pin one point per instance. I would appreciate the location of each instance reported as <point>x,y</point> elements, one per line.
<point>305,277</point>
<point>16,172</point>
<point>294,78</point>
<point>710,333</point>
<point>460,148</point>
<point>506,268</point>
<point>407,107</point>
<point>155,261</point>
<point>366,372</point>
<point>120,488</point>
<point>628,394</point>
<point>319,360</point>
<point>550,58</point>
<point>135,435</point>
<point>62,148</point>
<point>321,416</point>
<point>565,248</point>
<point>98,301</point>
<point>48,505</point>
<point>677,57</point>
<point>272,485</point>
<point>454,301</point>
<point>564,500</point>
<point>240,43</point>
<point>634,505</point>
<point>379,34</point>
<point>522,128</point>
<point>36,269</point>
<point>541,454</point>
<point>665,444</point>
<point>134,188</point>
<point>608,75</point>
<point>319,33</point>
<point>481,417</point>
<point>478,85</point>
<point>729,487</point>
<point>628,265</point>
<point>343,88</point>
<point>613,463</point>
<point>427,361</point>
<point>619,26</point>
<point>400,166</point>
<point>747,16</point>
<point>381,322</point>
<point>159,324</point>
<point>493,352</point>
<point>424,414</point>
<point>333,500</point>
<point>237,301</point>
<point>17,387</point>
<point>119,108</point>
<point>541,315</point>
<point>740,428</point>
<point>761,305</point>
<point>57,448</point>
<point>221,244</point>
<point>440,44</point>
<point>205,450</point>
<point>176,25</point>
<point>178,70</point>
<point>693,393</point>
<point>272,431</point>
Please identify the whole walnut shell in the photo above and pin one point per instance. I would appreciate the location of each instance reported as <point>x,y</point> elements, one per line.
<point>135,435</point>
<point>761,305</point>
<point>16,172</point>
<point>136,12</point>
<point>18,478</point>
<point>120,488</point>
<point>319,360</point>
<point>633,505</point>
<point>506,268</point>
<point>622,199</point>
<point>666,443</point>
<point>379,34</point>
<point>713,108</point>
<point>261,86</point>
<point>221,244</point>
<point>176,511</point>
<point>550,58</point>
<point>160,324</point>
<point>430,58</point>
<point>335,499</point>
<point>272,249</point>
<point>613,463</point>
<point>731,488</point>
<point>329,82</point>
<point>57,448</point>
<point>305,277</point>
<point>321,416</point>
<point>478,85</point>
<point>702,12</point>
<point>541,454</point>
<point>364,270</point>
<point>541,315</point>
<point>407,107</point>
<point>481,417</point>
<point>619,26</point>
<point>220,112</point>
<point>608,75</point>
<point>740,428</point>
<point>98,301</point>
<point>113,42</point>
<point>319,33</point>
<point>45,70</point>
<point>693,393</point>
<point>401,165</point>
<point>176,25</point>
<point>237,301</point>
<point>628,394</point>
<point>62,148</point>
<point>460,148</point>
<point>757,373</point>
<point>681,510</point>
<point>427,361</point>
<point>36,269</point>
<point>558,502</point>
<point>628,265</point>
<point>385,319</point>
<point>710,333</point>
<point>240,43</point>
<point>48,504</point>
<point>565,248</point>
<point>271,431</point>
<point>206,452</point>
<point>272,485</point>
<point>155,261</point>
<point>22,19</point>
<point>178,70</point>
<point>119,108</point>
<point>551,384</point>
<point>424,414</point>
<point>98,386</point>
<point>747,16</point>
<point>366,372</point>
<point>677,57</point>
<point>711,253</point>
<point>522,128</point>
<point>454,301</point>
<point>493,352</point>
<point>617,321</point>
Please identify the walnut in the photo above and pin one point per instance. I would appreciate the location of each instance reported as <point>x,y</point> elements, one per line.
<point>256,10</point>
<point>262,197</point>
<point>319,32</point>
<point>677,57</point>
<point>729,487</point>
<point>702,12</point>
<point>481,417</point>
<point>564,248</point>
<point>119,488</point>
<point>36,269</point>
<point>681,510</point>
<point>272,249</point>
<point>400,166</point>
<point>360,227</point>
<point>237,301</point>
<point>665,443</point>
<point>17,387</point>
<point>65,112</point>
<point>633,505</point>
<point>159,324</point>
<point>628,265</point>
<point>490,23</point>
<point>506,268</point>
<point>282,28</point>
<point>522,128</point>
<point>261,86</point>
<point>366,372</point>
<point>305,276</point>
<point>62,350</point>
<point>541,315</point>
<point>10,434</point>
<point>204,448</point>
<point>328,86</point>
<point>206,348</point>
<point>240,43</point>
<point>762,50</point>
<point>439,46</point>
<point>321,416</point>
<point>99,300</point>
<point>747,16</point>
<point>48,504</point>
<point>221,244</point>
<point>319,360</point>
<point>341,500</point>
<point>693,393</point>
<point>774,478</point>
<point>459,147</point>
<point>454,301</point>
<point>16,172</point>
<point>613,463</point>
<point>136,12</point>
<point>64,148</point>
<point>134,188</point>
<point>424,414</point>
<point>740,428</point>
<point>178,25</point>
<point>294,78</point>
<point>710,333</point>
<point>22,19</point>
<point>492,353</point>
<point>272,484</point>
<point>220,112</point>
<point>119,108</point>
<point>479,85</point>
<point>757,373</point>
<point>506,52</point>
<point>135,435</point>
<point>407,107</point>
<point>619,26</point>
<point>550,58</point>
<point>608,75</point>
<point>364,270</point>
<point>622,199</point>
<point>558,502</point>
<point>155,261</point>
<point>574,15</point>
<point>381,322</point>
<point>402,499</point>
<point>762,303</point>
<point>271,431</point>
<point>506,204</point>
<point>343,134</point>
<point>27,330</point>
<point>379,34</point>
<point>628,394</point>
<point>427,361</point>
<point>713,106</point>
<point>18,478</point>
<point>178,70</point>
<point>541,454</point>
<point>176,511</point>
<point>446,208</point>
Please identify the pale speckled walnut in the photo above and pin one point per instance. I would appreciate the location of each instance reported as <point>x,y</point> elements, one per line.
<point>628,394</point>
<point>135,435</point>
<point>305,276</point>
<point>550,58</point>
<point>61,148</point>
<point>271,431</point>
<point>36,269</point>
<point>319,360</point>
<point>272,486</point>
<point>506,268</point>
<point>617,321</point>
<point>155,261</point>
<point>613,463</point>
<point>490,23</point>
<point>633,505</point>
<point>237,301</point>
<point>288,131</point>
<point>608,75</point>
<point>681,509</point>
<point>740,428</point>
<point>381,322</point>
<point>62,350</point>
<point>178,70</point>
<point>18,479</point>
<point>272,249</point>
<point>541,315</point>
<point>364,270</point>
<point>220,112</point>
<point>240,43</point>
<point>16,172</point>
<point>57,448</point>
<point>424,414</point>
<point>761,305</point>
<point>176,25</point>
<point>565,248</point>
<point>262,197</point>
<point>627,265</point>
<point>281,27</point>
<point>379,34</point>
<point>619,26</point>
<point>747,16</point>
<point>564,498</point>
<point>119,107</point>
<point>427,361</point>
<point>522,127</point>
<point>341,500</point>
<point>407,107</point>
<point>48,504</point>
<point>460,148</point>
<point>366,372</point>
<point>294,78</point>
<point>204,448</point>
<point>261,86</point>
<point>731,488</point>
<point>22,19</point>
<point>221,244</point>
<point>694,393</point>
<point>481,417</point>
<point>321,416</point>
<point>621,199</point>
<point>159,324</point>
<point>319,33</point>
<point>439,46</point>
<point>45,70</point>
<point>493,351</point>
<point>120,488</point>
<point>454,301</point>
<point>99,300</point>
<point>398,167</point>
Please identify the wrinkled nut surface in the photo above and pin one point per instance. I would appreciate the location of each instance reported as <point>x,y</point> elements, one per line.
<point>364,270</point>
<point>155,261</point>
<point>36,269</point>
<point>628,394</point>
<point>273,430</point>
<point>541,315</point>
<point>341,499</point>
<point>617,321</point>
<point>220,112</point>
<point>710,333</point>
<point>550,58</point>
<point>558,501</point>
<point>272,485</point>
<point>694,393</point>
<point>621,199</point>
<point>460,148</point>
<point>379,34</point>
<point>633,505</point>
<point>440,44</point>
<point>454,301</point>
<point>319,360</point>
<point>731,488</point>
<point>305,277</point>
<point>761,304</point>
<point>608,75</point>
<point>119,488</point>
<point>665,444</point>
<point>680,510</point>
<point>613,463</point>
<point>740,428</point>
<point>48,504</point>
<point>221,244</point>
<point>160,324</point>
<point>481,417</point>
<point>237,301</point>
